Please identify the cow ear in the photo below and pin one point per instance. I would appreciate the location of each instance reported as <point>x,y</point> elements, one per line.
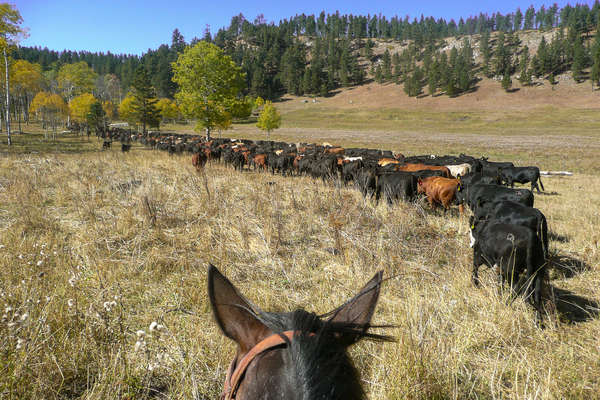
<point>235,315</point>
<point>358,311</point>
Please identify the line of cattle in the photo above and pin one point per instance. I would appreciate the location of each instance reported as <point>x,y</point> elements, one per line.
<point>506,232</point>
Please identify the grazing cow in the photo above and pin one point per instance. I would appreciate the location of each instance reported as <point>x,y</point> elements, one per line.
<point>396,186</point>
<point>478,194</point>
<point>477,177</point>
<point>514,213</point>
<point>422,167</point>
<point>106,144</point>
<point>334,150</point>
<point>515,251</point>
<point>366,181</point>
<point>199,160</point>
<point>125,147</point>
<point>459,169</point>
<point>439,190</point>
<point>490,168</point>
<point>350,169</point>
<point>510,175</point>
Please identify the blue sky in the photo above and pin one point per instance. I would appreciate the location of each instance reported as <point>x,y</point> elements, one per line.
<point>134,26</point>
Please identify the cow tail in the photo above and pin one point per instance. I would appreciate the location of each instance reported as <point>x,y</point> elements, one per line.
<point>543,234</point>
<point>540,181</point>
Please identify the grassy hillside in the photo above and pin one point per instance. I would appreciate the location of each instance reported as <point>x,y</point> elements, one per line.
<point>95,246</point>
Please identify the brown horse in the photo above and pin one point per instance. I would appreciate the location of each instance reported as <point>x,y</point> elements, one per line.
<point>294,355</point>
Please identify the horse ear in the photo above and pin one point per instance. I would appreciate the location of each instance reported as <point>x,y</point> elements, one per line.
<point>359,310</point>
<point>235,315</point>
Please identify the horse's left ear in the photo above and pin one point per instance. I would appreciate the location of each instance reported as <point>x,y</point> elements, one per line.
<point>359,310</point>
<point>235,315</point>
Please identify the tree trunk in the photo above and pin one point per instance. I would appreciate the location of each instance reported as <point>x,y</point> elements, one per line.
<point>7,100</point>
<point>208,134</point>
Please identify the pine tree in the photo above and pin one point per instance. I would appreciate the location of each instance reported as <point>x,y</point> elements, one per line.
<point>578,61</point>
<point>95,117</point>
<point>387,66</point>
<point>484,45</point>
<point>378,74</point>
<point>145,100</point>
<point>518,19</point>
<point>506,81</point>
<point>524,76</point>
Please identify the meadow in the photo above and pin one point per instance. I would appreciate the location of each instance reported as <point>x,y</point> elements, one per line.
<point>95,246</point>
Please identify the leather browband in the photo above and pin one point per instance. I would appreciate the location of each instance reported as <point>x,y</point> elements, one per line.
<point>236,372</point>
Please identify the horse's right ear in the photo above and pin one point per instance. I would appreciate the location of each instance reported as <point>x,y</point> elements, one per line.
<point>359,310</point>
<point>235,315</point>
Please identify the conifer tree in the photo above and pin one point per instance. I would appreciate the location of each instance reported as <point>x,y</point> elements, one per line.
<point>387,66</point>
<point>506,81</point>
<point>578,61</point>
<point>524,73</point>
<point>144,104</point>
<point>378,74</point>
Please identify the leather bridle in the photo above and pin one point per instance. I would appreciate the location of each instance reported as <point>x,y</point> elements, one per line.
<point>235,373</point>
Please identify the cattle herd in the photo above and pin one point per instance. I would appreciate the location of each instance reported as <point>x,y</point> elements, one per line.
<point>506,232</point>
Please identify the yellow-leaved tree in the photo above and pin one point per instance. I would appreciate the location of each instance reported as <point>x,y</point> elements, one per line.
<point>80,106</point>
<point>51,109</point>
<point>75,79</point>
<point>27,80</point>
<point>269,118</point>
<point>168,110</point>
<point>127,110</point>
<point>10,31</point>
<point>110,110</point>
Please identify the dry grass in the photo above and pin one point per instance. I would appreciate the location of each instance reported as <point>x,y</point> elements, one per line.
<point>97,246</point>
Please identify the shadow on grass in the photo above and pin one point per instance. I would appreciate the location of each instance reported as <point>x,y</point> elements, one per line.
<point>572,308</point>
<point>566,266</point>
<point>547,193</point>
<point>557,237</point>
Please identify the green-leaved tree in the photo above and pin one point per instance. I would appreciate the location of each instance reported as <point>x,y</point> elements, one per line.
<point>210,85</point>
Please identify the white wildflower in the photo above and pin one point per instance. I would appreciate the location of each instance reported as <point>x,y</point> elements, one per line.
<point>39,263</point>
<point>8,309</point>
<point>140,334</point>
<point>71,302</point>
<point>2,246</point>
<point>72,281</point>
<point>139,344</point>
<point>54,253</point>
<point>20,343</point>
<point>24,317</point>
<point>153,326</point>
<point>47,299</point>
<point>20,256</point>
<point>107,306</point>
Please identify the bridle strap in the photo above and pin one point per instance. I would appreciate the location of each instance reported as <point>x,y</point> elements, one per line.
<point>236,372</point>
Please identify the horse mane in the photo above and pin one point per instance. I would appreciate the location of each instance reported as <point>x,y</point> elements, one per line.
<point>320,361</point>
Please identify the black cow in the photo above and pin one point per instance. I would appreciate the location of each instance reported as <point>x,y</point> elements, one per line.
<point>514,213</point>
<point>366,181</point>
<point>125,147</point>
<point>476,177</point>
<point>511,175</point>
<point>350,170</point>
<point>478,194</point>
<point>516,253</point>
<point>396,186</point>
<point>106,144</point>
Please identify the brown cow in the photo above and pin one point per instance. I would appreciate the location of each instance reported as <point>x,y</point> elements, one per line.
<point>439,190</point>
<point>387,161</point>
<point>422,167</point>
<point>199,160</point>
<point>260,161</point>
<point>335,150</point>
